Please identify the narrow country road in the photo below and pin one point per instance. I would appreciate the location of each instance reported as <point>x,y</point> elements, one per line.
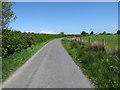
<point>50,67</point>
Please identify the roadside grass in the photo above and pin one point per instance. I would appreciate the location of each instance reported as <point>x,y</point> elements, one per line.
<point>110,40</point>
<point>13,62</point>
<point>0,69</point>
<point>100,67</point>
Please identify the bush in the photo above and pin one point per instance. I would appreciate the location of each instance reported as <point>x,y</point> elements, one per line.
<point>16,41</point>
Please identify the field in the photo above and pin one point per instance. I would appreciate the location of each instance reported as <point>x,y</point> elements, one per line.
<point>100,67</point>
<point>110,40</point>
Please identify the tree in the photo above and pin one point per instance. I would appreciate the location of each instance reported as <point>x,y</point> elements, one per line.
<point>91,33</point>
<point>62,34</point>
<point>118,32</point>
<point>104,32</point>
<point>7,14</point>
<point>84,33</point>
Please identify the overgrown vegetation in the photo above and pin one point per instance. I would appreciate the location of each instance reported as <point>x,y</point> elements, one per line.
<point>11,63</point>
<point>16,41</point>
<point>18,47</point>
<point>100,67</point>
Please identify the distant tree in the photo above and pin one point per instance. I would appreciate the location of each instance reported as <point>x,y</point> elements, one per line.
<point>118,32</point>
<point>62,34</point>
<point>7,14</point>
<point>104,32</point>
<point>84,33</point>
<point>91,33</point>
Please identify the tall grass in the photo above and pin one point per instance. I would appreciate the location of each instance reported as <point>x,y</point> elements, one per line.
<point>100,67</point>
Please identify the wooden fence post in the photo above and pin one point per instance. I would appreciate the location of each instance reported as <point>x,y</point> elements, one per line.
<point>81,41</point>
<point>103,43</point>
<point>89,41</point>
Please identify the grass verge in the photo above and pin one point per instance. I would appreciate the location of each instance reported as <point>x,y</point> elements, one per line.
<point>100,67</point>
<point>13,62</point>
<point>0,69</point>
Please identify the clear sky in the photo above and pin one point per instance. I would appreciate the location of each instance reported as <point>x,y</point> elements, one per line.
<point>68,17</point>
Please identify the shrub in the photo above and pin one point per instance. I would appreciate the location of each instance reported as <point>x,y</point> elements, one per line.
<point>16,41</point>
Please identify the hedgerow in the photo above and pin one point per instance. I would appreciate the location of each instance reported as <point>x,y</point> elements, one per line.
<point>16,41</point>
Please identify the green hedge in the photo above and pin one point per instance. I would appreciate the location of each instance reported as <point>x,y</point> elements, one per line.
<point>16,41</point>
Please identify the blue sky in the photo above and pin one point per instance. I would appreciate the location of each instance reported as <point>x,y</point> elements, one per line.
<point>68,17</point>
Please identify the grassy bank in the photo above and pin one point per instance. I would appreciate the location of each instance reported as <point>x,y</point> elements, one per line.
<point>0,69</point>
<point>13,62</point>
<point>100,67</point>
<point>111,40</point>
